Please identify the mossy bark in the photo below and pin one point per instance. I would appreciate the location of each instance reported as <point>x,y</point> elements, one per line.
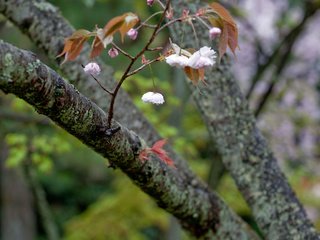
<point>243,149</point>
<point>200,211</point>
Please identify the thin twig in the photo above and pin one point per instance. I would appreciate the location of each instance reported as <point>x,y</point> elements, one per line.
<point>142,67</point>
<point>126,72</point>
<point>280,50</point>
<point>144,23</point>
<point>104,89</point>
<point>122,51</point>
<point>282,60</point>
<point>155,49</point>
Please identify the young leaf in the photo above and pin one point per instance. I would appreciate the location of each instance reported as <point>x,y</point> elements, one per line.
<point>229,34</point>
<point>113,25</point>
<point>97,47</point>
<point>158,150</point>
<point>194,74</point>
<point>73,44</point>
<point>121,23</point>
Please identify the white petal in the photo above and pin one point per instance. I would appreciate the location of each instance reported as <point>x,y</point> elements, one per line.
<point>177,61</point>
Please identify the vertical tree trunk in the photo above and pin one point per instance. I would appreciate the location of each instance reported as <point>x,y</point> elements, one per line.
<point>17,214</point>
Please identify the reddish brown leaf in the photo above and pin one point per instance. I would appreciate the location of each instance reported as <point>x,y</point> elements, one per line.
<point>130,21</point>
<point>122,24</point>
<point>193,74</point>
<point>229,34</point>
<point>158,150</point>
<point>223,13</point>
<point>73,44</point>
<point>97,47</point>
<point>113,25</point>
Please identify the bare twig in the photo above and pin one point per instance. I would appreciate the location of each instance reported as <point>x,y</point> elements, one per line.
<point>122,51</point>
<point>142,67</point>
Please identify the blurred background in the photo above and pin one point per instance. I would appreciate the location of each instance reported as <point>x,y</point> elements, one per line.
<point>54,187</point>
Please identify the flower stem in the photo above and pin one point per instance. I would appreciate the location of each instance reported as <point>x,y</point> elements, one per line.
<point>127,72</point>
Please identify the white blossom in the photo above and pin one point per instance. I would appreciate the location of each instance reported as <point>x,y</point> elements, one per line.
<point>176,60</point>
<point>202,58</point>
<point>92,68</point>
<point>153,97</point>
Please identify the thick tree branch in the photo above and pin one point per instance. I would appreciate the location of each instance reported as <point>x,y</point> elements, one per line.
<point>199,210</point>
<point>244,151</point>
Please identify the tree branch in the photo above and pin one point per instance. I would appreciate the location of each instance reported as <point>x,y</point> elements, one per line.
<point>244,151</point>
<point>200,211</point>
<point>281,52</point>
<point>282,55</point>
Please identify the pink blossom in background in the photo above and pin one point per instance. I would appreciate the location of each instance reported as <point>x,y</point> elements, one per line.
<point>132,34</point>
<point>214,32</point>
<point>113,52</point>
<point>150,2</point>
<point>92,68</point>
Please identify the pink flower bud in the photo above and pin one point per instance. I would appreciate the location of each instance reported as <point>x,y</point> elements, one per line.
<point>150,2</point>
<point>113,52</point>
<point>92,68</point>
<point>214,32</point>
<point>132,34</point>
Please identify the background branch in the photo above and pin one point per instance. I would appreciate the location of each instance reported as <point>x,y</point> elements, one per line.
<point>244,151</point>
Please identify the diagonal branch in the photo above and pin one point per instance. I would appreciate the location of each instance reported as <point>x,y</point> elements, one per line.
<point>200,211</point>
<point>281,53</point>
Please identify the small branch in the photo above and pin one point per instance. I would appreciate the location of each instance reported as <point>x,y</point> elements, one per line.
<point>142,67</point>
<point>144,23</point>
<point>122,51</point>
<point>126,72</point>
<point>281,50</point>
<point>41,201</point>
<point>155,49</point>
<point>282,60</point>
<point>161,4</point>
<point>149,25</point>
<point>104,89</point>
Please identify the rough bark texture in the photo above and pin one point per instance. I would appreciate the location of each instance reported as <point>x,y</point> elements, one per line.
<point>198,209</point>
<point>244,150</point>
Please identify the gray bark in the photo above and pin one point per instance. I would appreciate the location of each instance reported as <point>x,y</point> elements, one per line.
<point>200,211</point>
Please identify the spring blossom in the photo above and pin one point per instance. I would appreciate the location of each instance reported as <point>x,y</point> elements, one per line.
<point>202,58</point>
<point>153,97</point>
<point>132,34</point>
<point>92,68</point>
<point>113,52</point>
<point>214,32</point>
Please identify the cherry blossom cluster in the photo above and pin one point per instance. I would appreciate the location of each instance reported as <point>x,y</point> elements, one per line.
<point>192,61</point>
<point>204,57</point>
